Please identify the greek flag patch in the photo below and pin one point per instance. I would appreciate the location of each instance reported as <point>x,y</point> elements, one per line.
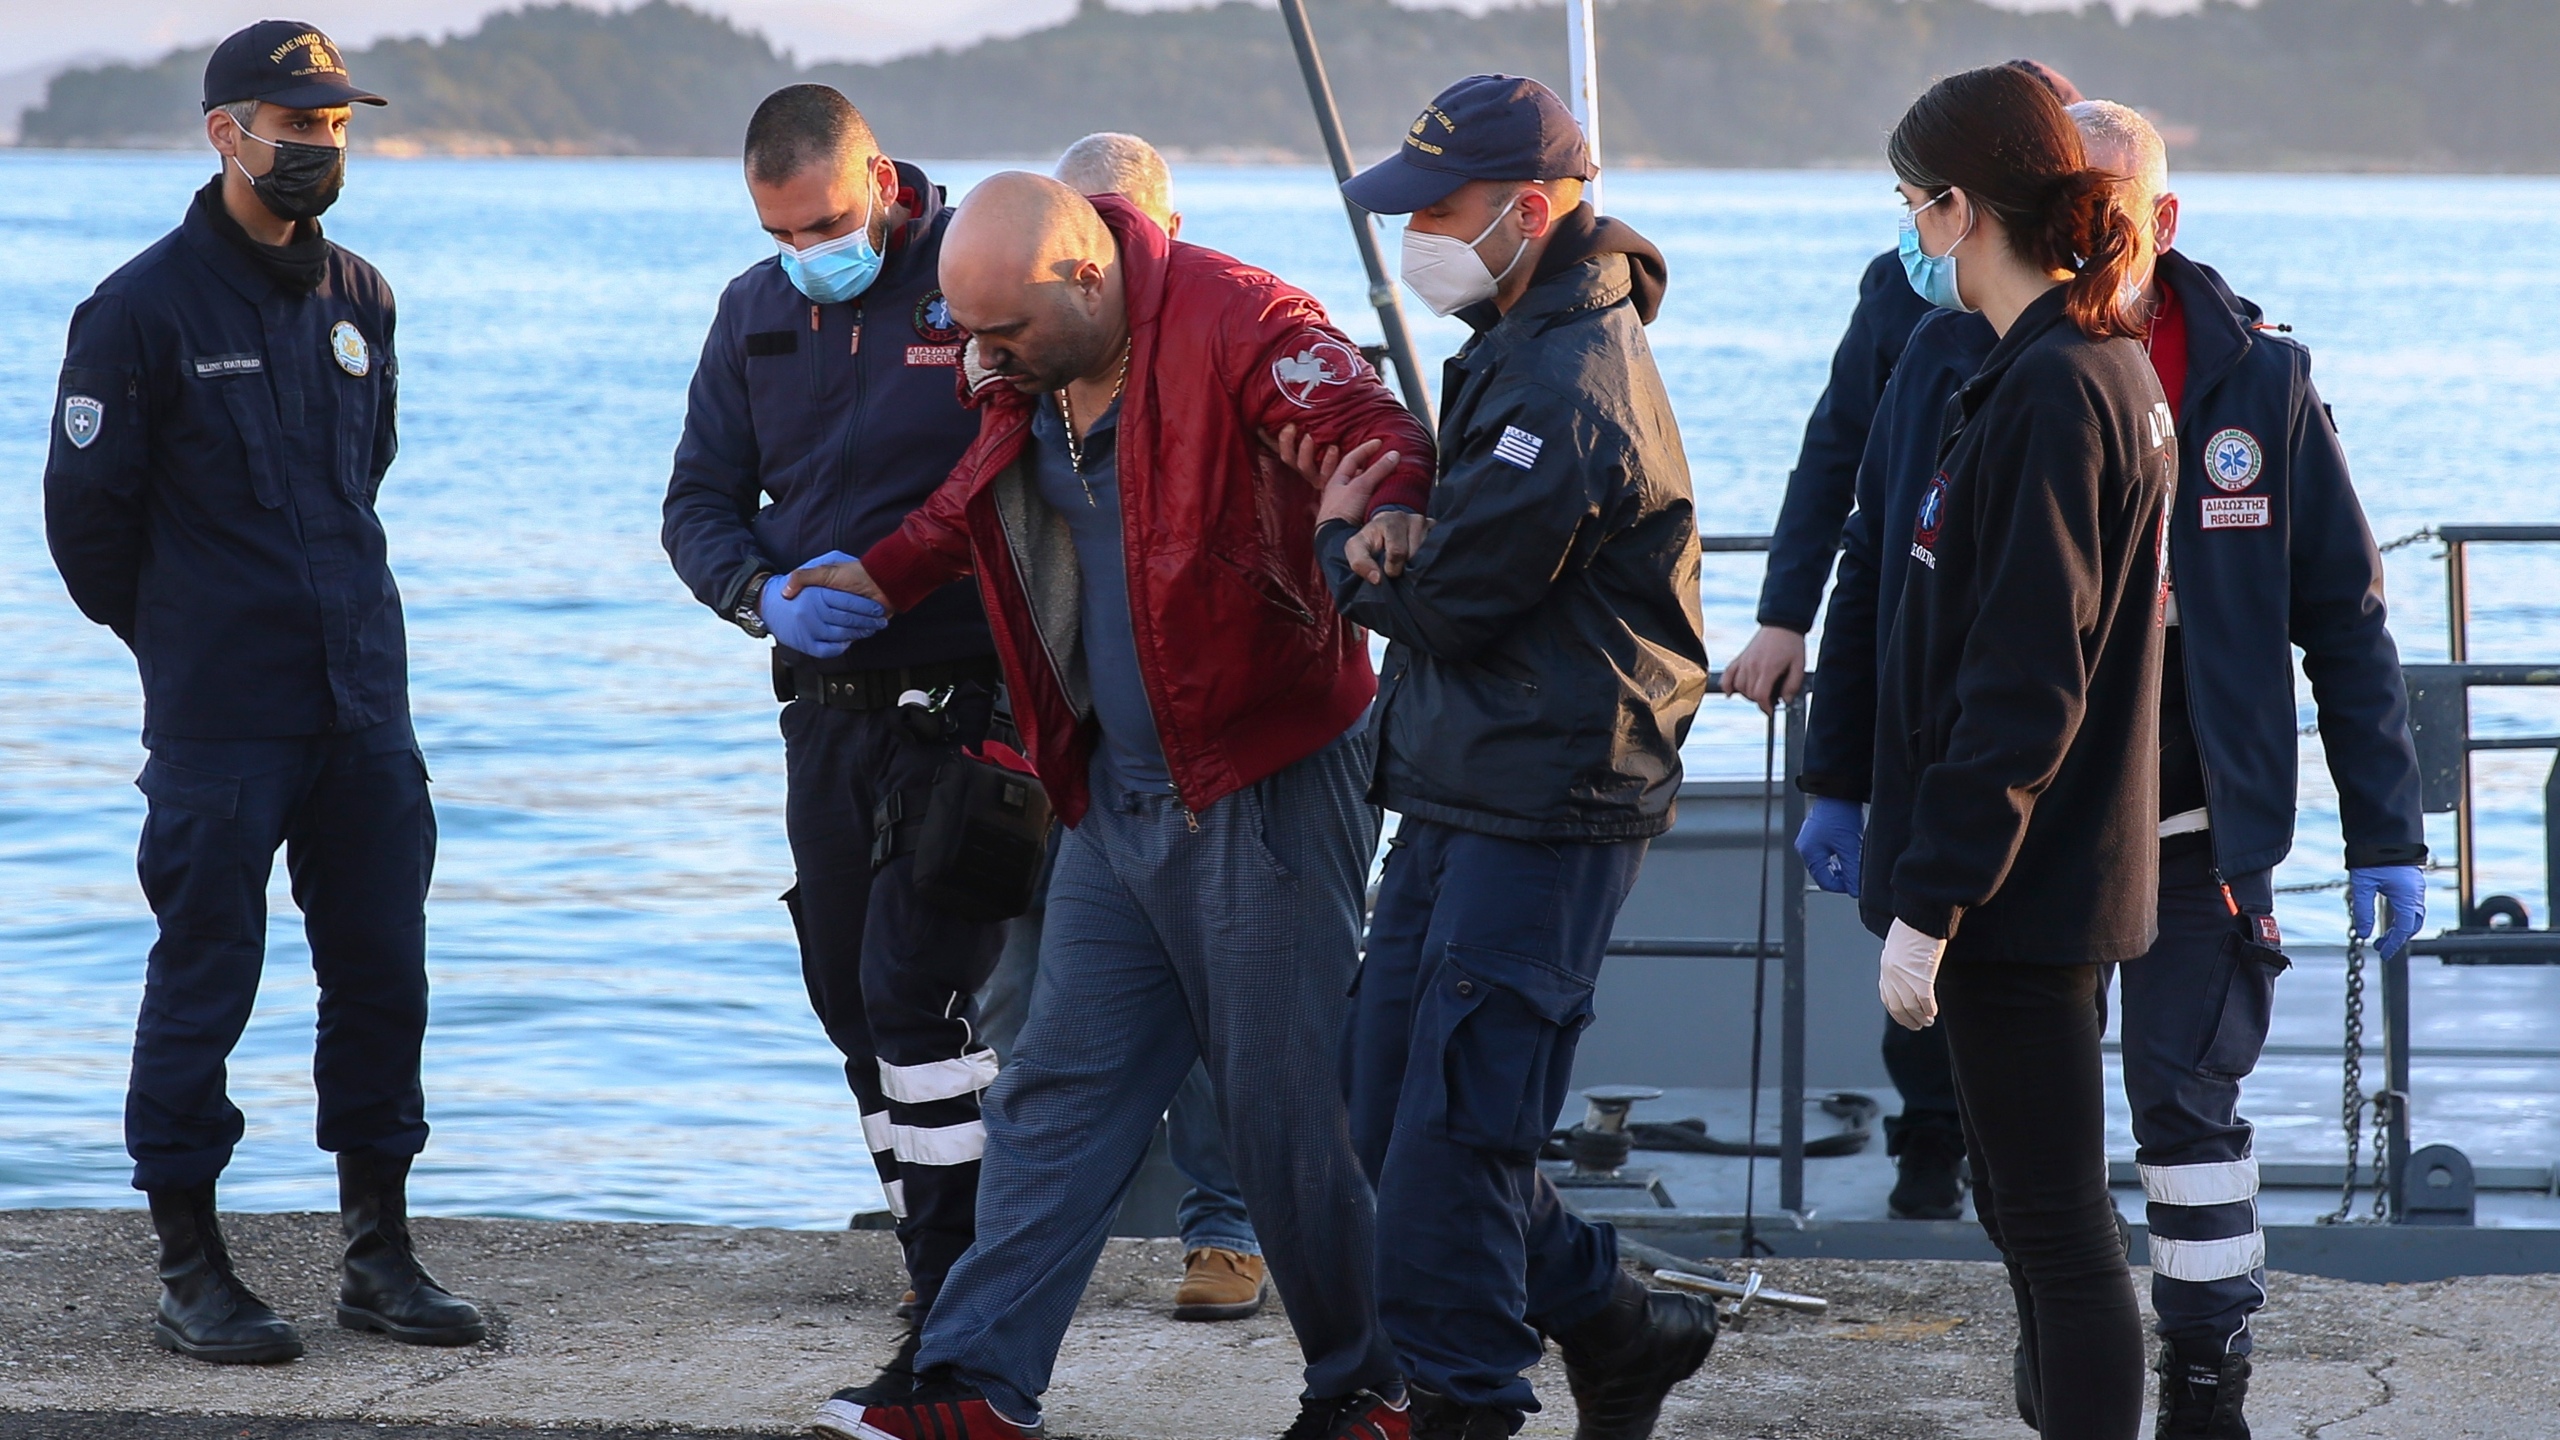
<point>1518,446</point>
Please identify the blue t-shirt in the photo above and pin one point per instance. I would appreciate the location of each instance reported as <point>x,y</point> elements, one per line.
<point>1131,756</point>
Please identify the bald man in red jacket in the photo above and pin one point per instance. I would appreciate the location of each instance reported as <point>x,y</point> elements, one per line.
<point>1194,707</point>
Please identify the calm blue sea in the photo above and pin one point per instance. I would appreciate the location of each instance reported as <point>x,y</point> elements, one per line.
<point>620,1030</point>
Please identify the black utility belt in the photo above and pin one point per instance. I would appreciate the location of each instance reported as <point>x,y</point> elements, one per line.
<point>875,689</point>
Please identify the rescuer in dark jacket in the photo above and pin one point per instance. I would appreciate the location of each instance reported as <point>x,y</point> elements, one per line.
<point>1546,658</point>
<point>2015,808</point>
<point>2269,550</point>
<point>825,409</point>
<point>225,416</point>
<point>1925,1140</point>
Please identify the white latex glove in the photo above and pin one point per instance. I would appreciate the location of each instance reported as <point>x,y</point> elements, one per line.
<point>1907,976</point>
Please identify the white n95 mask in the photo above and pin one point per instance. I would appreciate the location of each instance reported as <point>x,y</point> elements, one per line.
<point>1446,274</point>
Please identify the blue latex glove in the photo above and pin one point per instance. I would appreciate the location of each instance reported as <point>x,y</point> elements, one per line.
<point>1831,842</point>
<point>819,622</point>
<point>2405,886</point>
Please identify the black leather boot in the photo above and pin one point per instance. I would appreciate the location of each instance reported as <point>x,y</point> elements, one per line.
<point>2201,1394</point>
<point>1624,1360</point>
<point>1437,1417</point>
<point>382,1286</point>
<point>205,1311</point>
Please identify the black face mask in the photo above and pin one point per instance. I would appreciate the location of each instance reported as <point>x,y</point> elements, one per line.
<point>304,180</point>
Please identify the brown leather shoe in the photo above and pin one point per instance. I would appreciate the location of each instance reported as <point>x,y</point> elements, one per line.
<point>1219,1285</point>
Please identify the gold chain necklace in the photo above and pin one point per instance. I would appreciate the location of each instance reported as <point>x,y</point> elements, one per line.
<point>1067,413</point>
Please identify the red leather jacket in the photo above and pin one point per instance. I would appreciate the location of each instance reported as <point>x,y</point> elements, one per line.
<point>1246,664</point>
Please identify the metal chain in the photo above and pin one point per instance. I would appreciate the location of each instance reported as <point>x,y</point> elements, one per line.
<point>2352,1102</point>
<point>2351,1095</point>
<point>2412,538</point>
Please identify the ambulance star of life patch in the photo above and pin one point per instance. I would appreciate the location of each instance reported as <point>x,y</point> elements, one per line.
<point>1518,446</point>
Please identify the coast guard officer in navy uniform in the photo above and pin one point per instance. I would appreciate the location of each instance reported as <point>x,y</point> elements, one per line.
<point>224,421</point>
<point>824,409</point>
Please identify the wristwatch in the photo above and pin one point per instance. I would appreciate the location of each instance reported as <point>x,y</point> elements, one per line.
<point>746,616</point>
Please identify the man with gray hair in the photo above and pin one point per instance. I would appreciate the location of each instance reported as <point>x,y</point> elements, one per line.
<point>1108,162</point>
<point>2266,542</point>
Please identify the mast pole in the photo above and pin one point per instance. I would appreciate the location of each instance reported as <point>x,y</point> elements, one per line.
<point>1382,291</point>
<point>1582,51</point>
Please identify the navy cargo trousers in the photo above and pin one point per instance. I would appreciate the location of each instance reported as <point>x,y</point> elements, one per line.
<point>351,813</point>
<point>2193,1017</point>
<point>1483,953</point>
<point>890,977</point>
<point>1229,936</point>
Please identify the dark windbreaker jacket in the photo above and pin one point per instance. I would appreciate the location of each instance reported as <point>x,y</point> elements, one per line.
<point>1547,649</point>
<point>2016,807</point>
<point>1820,488</point>
<point>2298,570</point>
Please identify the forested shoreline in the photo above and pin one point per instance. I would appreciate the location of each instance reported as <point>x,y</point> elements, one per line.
<point>2283,84</point>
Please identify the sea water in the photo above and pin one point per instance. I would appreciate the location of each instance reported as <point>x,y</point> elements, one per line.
<point>620,1030</point>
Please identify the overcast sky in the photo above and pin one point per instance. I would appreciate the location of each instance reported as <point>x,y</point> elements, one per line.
<point>49,32</point>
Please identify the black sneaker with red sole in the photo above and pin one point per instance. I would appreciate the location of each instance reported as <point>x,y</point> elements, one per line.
<point>936,1408</point>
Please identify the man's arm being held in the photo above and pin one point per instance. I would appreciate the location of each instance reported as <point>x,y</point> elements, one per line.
<point>1503,533</point>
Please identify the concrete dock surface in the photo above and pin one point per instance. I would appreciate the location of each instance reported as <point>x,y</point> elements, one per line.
<point>609,1332</point>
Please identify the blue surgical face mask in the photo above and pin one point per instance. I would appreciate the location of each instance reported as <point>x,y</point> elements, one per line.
<point>1934,276</point>
<point>834,271</point>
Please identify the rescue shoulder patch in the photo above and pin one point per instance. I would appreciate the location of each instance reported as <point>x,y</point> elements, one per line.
<point>1311,362</point>
<point>1928,521</point>
<point>1518,446</point>
<point>347,347</point>
<point>933,354</point>
<point>933,320</point>
<point>82,415</point>
<point>2233,459</point>
<point>2235,512</point>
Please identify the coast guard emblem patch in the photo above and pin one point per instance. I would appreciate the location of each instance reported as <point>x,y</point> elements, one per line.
<point>2233,459</point>
<point>933,320</point>
<point>81,417</point>
<point>347,347</point>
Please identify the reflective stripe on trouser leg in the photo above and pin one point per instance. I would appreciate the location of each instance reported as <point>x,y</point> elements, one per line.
<point>2201,1260</point>
<point>2215,1182</point>
<point>938,1079</point>
<point>878,1139</point>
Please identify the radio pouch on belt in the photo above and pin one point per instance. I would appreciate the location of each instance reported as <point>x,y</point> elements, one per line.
<point>978,833</point>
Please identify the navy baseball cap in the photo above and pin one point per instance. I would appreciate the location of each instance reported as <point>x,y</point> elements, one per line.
<point>1485,127</point>
<point>281,62</point>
